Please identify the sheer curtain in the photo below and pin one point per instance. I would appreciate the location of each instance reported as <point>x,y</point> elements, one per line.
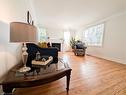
<point>66,40</point>
<point>68,34</point>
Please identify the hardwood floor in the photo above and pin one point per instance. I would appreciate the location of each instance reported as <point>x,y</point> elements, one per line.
<point>90,76</point>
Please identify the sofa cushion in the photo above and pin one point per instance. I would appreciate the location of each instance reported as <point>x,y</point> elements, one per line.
<point>42,44</point>
<point>79,46</point>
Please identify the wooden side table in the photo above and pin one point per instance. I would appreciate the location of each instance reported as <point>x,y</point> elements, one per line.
<point>12,80</point>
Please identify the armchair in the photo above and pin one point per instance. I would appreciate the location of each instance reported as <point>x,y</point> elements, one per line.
<point>79,48</point>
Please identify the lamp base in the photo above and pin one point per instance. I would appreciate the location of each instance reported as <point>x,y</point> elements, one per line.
<point>24,69</point>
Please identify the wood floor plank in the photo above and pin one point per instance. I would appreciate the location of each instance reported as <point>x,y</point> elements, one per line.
<point>90,76</point>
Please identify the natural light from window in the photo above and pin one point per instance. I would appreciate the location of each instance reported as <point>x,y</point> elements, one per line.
<point>42,36</point>
<point>66,40</point>
<point>93,36</point>
<point>66,37</point>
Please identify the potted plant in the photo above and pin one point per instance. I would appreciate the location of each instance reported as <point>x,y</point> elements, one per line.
<point>72,42</point>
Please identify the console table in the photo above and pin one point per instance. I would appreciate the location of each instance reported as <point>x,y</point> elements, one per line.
<point>15,79</point>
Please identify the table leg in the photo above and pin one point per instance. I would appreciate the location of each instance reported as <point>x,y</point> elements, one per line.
<point>68,80</point>
<point>7,90</point>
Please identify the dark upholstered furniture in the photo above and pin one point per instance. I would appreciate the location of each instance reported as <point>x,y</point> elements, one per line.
<point>14,79</point>
<point>33,49</point>
<point>79,48</point>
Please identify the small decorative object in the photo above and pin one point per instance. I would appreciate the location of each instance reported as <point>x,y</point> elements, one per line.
<point>48,44</point>
<point>43,59</point>
<point>29,18</point>
<point>38,57</point>
<point>43,62</point>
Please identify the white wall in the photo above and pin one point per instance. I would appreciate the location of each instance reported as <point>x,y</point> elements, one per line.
<point>55,33</point>
<point>10,10</point>
<point>10,53</point>
<point>114,44</point>
<point>57,36</point>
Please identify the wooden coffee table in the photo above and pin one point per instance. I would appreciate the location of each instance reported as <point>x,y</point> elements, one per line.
<point>15,79</point>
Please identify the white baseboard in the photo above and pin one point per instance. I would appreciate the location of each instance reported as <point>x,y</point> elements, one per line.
<point>110,59</point>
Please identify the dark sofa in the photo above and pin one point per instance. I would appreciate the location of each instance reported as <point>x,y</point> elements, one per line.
<point>33,49</point>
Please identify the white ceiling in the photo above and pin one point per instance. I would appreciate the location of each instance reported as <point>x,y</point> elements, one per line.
<point>75,13</point>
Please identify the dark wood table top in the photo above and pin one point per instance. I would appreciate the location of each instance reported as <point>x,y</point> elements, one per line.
<point>14,77</point>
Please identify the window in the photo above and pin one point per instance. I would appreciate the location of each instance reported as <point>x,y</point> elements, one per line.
<point>66,46</point>
<point>66,37</point>
<point>42,36</point>
<point>93,36</point>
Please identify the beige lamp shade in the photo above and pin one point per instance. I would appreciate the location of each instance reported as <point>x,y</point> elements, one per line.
<point>22,32</point>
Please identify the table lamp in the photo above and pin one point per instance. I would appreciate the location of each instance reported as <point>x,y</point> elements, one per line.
<point>23,33</point>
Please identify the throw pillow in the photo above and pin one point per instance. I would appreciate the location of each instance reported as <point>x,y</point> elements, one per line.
<point>42,44</point>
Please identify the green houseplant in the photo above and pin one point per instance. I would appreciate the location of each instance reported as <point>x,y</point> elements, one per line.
<point>72,42</point>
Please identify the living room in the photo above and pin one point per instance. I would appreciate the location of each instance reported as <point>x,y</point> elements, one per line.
<point>74,17</point>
